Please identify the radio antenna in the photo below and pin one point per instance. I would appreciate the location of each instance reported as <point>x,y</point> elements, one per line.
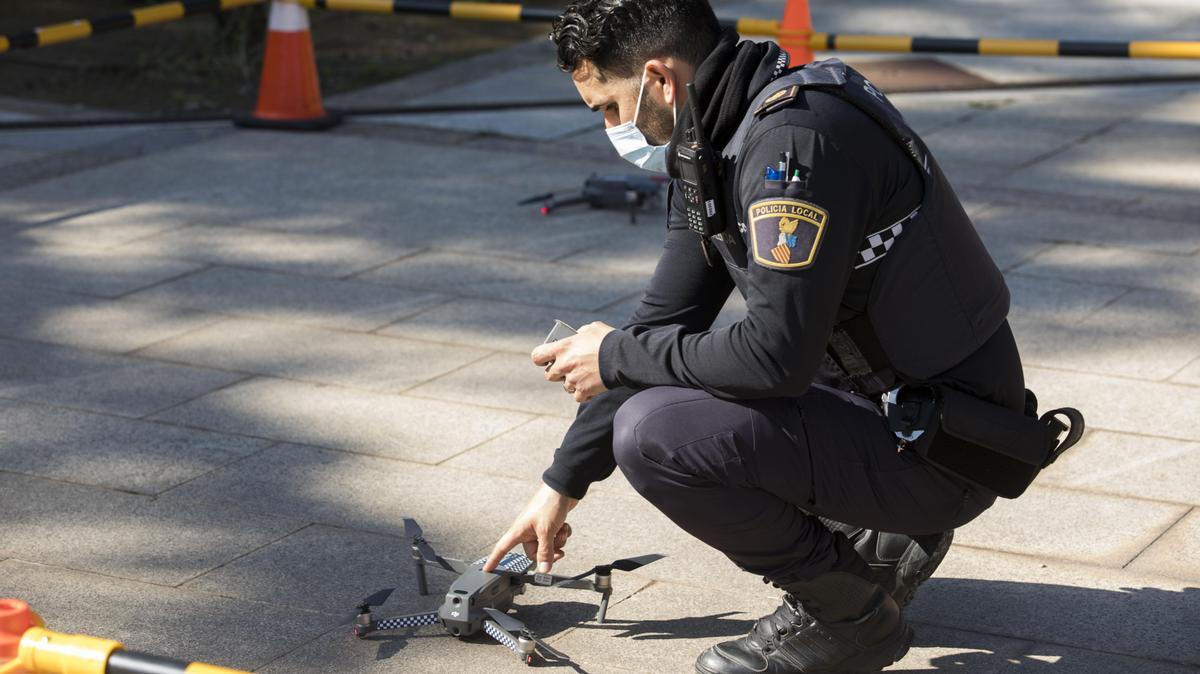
<point>697,127</point>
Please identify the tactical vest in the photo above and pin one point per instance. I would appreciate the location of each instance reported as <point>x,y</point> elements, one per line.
<point>937,296</point>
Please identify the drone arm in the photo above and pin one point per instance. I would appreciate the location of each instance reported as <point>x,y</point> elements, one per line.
<point>524,651</point>
<point>406,621</point>
<point>553,580</point>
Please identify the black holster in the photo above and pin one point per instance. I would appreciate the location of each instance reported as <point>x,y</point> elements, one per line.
<point>979,441</point>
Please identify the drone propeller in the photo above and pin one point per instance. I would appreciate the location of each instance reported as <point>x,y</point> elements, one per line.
<point>517,627</point>
<point>412,531</point>
<point>628,564</point>
<point>365,606</point>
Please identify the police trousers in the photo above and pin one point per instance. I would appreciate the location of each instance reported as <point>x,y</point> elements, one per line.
<point>749,477</point>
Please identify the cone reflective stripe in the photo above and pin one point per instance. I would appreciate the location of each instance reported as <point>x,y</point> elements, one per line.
<point>794,32</point>
<point>289,93</point>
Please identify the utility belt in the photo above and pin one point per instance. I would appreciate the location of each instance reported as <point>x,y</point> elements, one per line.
<point>979,441</point>
<point>976,440</point>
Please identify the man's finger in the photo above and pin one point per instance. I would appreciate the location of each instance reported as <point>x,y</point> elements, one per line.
<point>545,552</point>
<point>502,547</point>
<point>544,353</point>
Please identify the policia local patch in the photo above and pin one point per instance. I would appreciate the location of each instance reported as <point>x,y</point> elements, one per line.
<point>785,233</point>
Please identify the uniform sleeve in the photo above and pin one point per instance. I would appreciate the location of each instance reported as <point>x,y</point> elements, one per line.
<point>791,309</point>
<point>685,292</point>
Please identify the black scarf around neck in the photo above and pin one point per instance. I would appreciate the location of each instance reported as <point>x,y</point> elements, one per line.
<point>726,81</point>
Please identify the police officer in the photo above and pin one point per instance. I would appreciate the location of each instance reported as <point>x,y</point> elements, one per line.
<point>765,438</point>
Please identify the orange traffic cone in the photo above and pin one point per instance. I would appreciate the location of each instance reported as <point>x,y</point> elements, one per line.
<point>289,94</point>
<point>794,32</point>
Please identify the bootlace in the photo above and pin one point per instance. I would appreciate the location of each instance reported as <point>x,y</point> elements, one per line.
<point>771,629</point>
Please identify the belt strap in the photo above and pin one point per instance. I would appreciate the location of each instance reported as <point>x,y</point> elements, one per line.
<point>856,350</point>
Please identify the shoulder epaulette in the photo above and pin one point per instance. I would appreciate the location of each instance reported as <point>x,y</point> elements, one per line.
<point>778,100</point>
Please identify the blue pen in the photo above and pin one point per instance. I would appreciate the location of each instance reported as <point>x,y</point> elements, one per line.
<point>773,174</point>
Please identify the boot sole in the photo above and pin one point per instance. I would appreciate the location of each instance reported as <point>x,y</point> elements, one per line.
<point>927,571</point>
<point>905,639</point>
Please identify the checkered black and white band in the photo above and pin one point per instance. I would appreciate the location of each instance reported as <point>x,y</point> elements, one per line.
<point>495,633</point>
<point>878,244</point>
<point>513,561</point>
<point>422,620</point>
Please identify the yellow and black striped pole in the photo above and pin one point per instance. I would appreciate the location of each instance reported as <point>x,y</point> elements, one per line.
<point>499,11</point>
<point>513,12</point>
<point>135,18</point>
<point>45,652</point>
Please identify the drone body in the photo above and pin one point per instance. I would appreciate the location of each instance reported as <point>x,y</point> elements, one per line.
<point>478,601</point>
<point>463,613</point>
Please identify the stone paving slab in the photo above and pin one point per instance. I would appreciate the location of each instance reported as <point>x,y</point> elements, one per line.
<point>461,515</point>
<point>97,449</point>
<point>1065,660</point>
<point>1117,266</point>
<point>343,305</point>
<point>1071,605</point>
<point>97,382</point>
<point>1090,227</point>
<point>162,621</point>
<point>552,285</point>
<point>1144,334</point>
<point>90,272</point>
<point>1124,164</point>
<point>124,535</point>
<point>1119,404</point>
<point>486,324</point>
<point>1176,553</point>
<point>386,425</point>
<point>664,627</point>
<point>311,254</point>
<point>104,223</point>
<point>502,380</point>
<point>1189,375</point>
<point>327,569</point>
<point>386,364</point>
<point>1080,529</point>
<point>76,320</point>
<point>1137,466</point>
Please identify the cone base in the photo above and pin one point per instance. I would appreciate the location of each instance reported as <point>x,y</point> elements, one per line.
<point>330,119</point>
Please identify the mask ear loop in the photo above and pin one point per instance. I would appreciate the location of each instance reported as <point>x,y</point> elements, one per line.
<point>637,108</point>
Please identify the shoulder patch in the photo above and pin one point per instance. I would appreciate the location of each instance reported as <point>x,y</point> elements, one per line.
<point>778,99</point>
<point>785,233</point>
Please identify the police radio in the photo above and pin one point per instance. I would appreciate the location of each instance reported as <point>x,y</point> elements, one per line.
<point>703,197</point>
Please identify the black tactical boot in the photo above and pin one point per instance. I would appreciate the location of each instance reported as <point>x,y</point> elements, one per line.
<point>898,562</point>
<point>837,622</point>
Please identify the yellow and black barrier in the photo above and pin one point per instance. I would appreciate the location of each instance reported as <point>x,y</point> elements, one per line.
<point>135,18</point>
<point>498,11</point>
<point>472,10</point>
<point>26,647</point>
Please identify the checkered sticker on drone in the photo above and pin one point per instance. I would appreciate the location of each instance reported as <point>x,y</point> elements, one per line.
<point>785,233</point>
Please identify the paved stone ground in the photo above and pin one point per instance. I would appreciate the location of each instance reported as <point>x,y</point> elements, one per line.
<point>232,361</point>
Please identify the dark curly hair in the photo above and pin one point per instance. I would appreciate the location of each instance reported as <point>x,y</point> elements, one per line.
<point>618,36</point>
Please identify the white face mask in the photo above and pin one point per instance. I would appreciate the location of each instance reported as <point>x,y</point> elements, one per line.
<point>631,143</point>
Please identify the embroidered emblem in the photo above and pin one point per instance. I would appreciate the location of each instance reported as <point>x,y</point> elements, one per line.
<point>785,233</point>
<point>778,99</point>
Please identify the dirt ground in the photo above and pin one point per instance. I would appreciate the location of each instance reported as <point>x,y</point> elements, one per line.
<point>211,63</point>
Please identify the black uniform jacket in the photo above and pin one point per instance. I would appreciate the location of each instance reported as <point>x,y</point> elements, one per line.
<point>856,180</point>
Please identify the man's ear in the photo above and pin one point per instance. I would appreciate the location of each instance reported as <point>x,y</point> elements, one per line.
<point>659,72</point>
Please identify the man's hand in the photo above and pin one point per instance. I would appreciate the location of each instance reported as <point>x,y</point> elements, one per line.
<point>542,528</point>
<point>576,361</point>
